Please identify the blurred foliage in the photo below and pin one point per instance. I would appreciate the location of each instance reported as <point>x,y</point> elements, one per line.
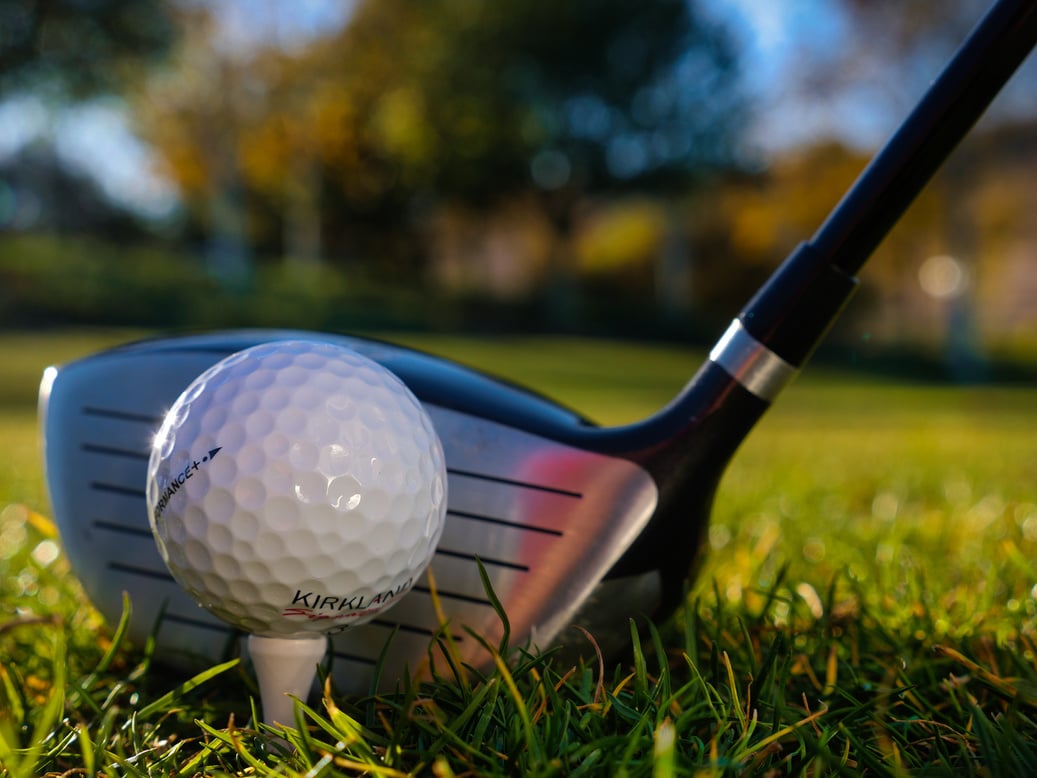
<point>897,47</point>
<point>38,191</point>
<point>77,47</point>
<point>48,281</point>
<point>976,210</point>
<point>522,164</point>
<point>708,251</point>
<point>342,148</point>
<point>626,236</point>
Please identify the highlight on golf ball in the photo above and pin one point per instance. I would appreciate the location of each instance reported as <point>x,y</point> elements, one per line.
<point>296,487</point>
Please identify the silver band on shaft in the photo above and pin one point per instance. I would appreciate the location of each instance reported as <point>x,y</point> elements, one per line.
<point>751,363</point>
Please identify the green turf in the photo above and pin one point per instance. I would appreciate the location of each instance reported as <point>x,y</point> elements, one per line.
<point>868,606</point>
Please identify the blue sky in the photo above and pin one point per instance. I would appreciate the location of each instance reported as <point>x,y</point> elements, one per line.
<point>776,35</point>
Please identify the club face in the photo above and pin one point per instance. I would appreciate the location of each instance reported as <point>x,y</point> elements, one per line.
<point>546,520</point>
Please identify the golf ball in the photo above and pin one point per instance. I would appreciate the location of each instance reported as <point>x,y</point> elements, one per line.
<point>296,487</point>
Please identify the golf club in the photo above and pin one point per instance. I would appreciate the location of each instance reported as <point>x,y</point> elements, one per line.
<point>572,523</point>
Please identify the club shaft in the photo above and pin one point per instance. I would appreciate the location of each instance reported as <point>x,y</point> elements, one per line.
<point>793,311</point>
<point>687,445</point>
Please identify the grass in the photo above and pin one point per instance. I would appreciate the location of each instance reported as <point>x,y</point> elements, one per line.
<point>868,606</point>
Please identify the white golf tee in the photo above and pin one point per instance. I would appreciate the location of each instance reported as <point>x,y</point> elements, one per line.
<point>285,666</point>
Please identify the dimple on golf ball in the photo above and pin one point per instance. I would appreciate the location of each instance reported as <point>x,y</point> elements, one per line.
<point>296,487</point>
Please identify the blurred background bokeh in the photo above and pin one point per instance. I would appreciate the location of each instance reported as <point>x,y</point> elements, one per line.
<point>590,167</point>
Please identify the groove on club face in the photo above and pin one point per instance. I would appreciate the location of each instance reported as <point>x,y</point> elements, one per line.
<point>546,520</point>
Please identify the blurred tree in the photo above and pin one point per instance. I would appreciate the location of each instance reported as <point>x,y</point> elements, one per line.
<point>893,51</point>
<point>195,110</point>
<point>351,139</point>
<point>473,102</point>
<point>38,193</point>
<point>474,99</point>
<point>756,220</point>
<point>79,47</point>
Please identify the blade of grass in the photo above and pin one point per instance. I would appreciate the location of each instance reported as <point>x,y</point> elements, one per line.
<point>175,696</point>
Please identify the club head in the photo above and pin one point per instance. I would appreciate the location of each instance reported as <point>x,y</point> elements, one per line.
<point>548,504</point>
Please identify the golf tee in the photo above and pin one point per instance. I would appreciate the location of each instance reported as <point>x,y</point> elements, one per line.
<point>284,667</point>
